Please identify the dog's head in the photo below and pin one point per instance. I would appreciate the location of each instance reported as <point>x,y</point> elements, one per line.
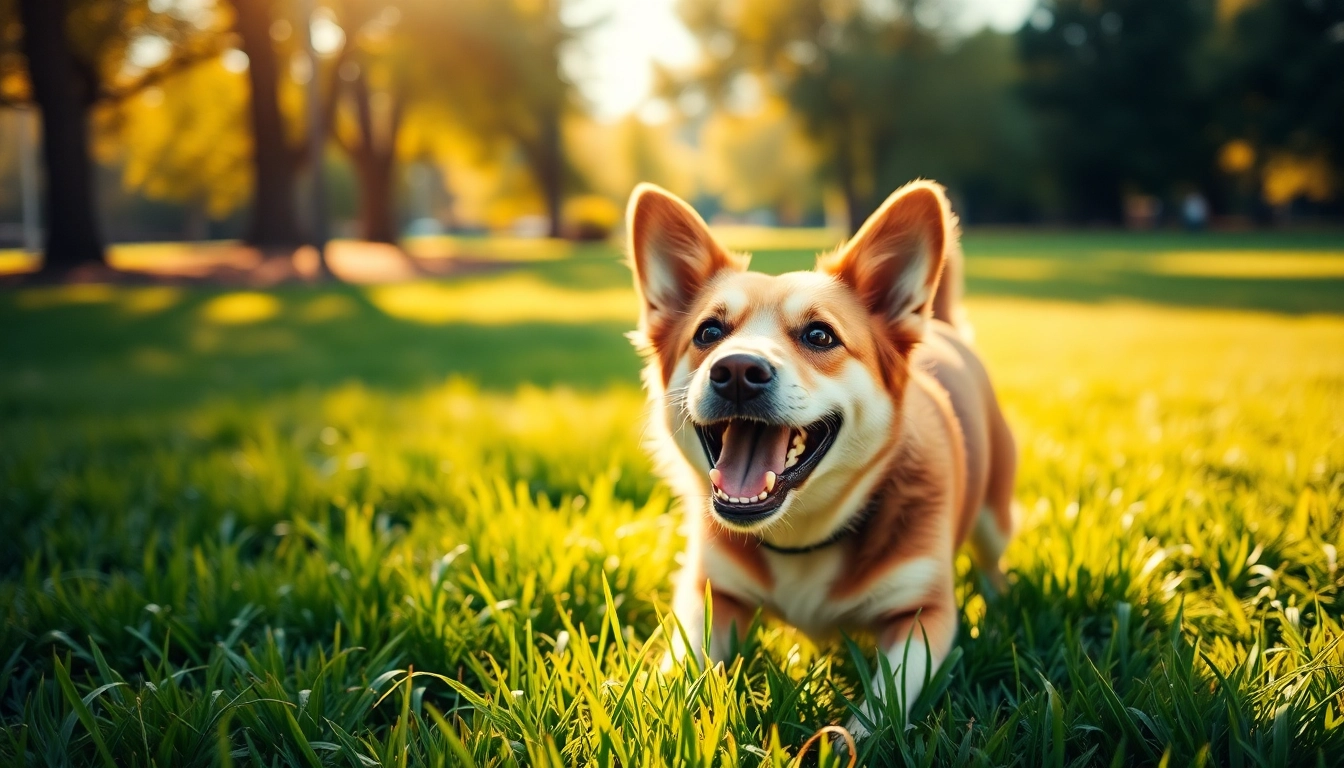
<point>784,392</point>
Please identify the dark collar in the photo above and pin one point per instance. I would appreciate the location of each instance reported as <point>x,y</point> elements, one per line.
<point>845,532</point>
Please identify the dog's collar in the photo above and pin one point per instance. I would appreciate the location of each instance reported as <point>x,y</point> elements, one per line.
<point>845,532</point>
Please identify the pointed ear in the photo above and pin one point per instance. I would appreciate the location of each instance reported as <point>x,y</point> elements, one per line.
<point>894,261</point>
<point>673,255</point>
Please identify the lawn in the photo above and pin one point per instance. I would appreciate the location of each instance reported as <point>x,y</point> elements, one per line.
<point>413,525</point>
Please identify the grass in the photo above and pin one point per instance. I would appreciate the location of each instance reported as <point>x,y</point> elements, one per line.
<point>412,526</point>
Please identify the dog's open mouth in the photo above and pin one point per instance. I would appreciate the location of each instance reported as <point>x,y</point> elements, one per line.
<point>755,463</point>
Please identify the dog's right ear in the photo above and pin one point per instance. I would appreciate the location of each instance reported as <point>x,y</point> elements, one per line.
<point>673,255</point>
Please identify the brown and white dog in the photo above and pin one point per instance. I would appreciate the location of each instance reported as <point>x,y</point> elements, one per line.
<point>831,434</point>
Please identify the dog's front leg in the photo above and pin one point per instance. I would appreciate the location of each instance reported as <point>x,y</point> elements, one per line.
<point>914,644</point>
<point>728,615</point>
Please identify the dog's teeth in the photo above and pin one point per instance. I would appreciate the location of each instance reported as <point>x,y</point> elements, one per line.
<point>762,496</point>
<point>715,477</point>
<point>770,482</point>
<point>788,463</point>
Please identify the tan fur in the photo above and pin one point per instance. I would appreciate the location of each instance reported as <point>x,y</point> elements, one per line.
<point>922,435</point>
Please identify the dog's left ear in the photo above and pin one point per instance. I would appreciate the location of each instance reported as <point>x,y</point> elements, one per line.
<point>894,261</point>
<point>673,255</point>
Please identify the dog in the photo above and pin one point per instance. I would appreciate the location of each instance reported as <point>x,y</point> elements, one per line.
<point>831,434</point>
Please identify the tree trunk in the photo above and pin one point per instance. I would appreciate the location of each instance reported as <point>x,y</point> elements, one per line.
<point>274,222</point>
<point>374,155</point>
<point>551,174</point>
<point>377,221</point>
<point>856,209</point>
<point>857,205</point>
<point>64,91</point>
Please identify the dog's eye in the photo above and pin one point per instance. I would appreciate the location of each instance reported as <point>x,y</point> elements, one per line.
<point>820,335</point>
<point>709,332</point>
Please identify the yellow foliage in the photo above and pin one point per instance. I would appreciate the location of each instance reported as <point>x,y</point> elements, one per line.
<point>761,159</point>
<point>592,213</point>
<point>1228,9</point>
<point>14,86</point>
<point>615,156</point>
<point>1236,156</point>
<point>186,140</point>
<point>1288,177</point>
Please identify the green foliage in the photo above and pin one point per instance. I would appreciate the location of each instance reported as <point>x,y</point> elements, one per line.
<point>1279,67</point>
<point>224,552</point>
<point>881,95</point>
<point>1118,88</point>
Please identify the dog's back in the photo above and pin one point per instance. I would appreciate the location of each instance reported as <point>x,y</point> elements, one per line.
<point>990,452</point>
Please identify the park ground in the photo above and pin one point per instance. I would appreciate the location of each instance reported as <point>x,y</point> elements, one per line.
<point>411,523</point>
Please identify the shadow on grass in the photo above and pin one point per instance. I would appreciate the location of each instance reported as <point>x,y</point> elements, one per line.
<point>100,355</point>
<point>1281,295</point>
<point>96,347</point>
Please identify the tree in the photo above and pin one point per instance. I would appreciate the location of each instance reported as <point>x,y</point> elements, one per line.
<point>275,161</point>
<point>760,159</point>
<point>64,86</point>
<point>1122,100</point>
<point>76,54</point>
<point>381,72</point>
<point>489,68</point>
<point>615,156</point>
<point>518,90</point>
<point>882,93</point>
<point>185,141</point>
<point>1282,96</point>
<point>533,35</point>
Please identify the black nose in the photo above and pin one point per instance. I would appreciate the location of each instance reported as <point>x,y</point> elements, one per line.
<point>738,378</point>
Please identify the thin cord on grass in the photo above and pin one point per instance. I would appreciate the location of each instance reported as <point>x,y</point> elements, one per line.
<point>844,734</point>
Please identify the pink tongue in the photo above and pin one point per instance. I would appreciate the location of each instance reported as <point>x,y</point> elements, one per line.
<point>750,449</point>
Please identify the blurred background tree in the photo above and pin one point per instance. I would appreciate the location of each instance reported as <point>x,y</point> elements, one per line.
<point>790,111</point>
<point>269,36</point>
<point>881,90</point>
<point>523,96</point>
<point>1120,98</point>
<point>1283,98</point>
<point>185,141</point>
<point>67,56</point>
<point>761,160</point>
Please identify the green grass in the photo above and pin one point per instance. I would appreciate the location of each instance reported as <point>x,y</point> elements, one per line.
<point>348,526</point>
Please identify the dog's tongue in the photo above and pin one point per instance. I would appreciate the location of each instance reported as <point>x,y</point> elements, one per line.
<point>750,449</point>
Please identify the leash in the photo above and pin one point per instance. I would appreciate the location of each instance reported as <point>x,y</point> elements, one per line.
<point>840,535</point>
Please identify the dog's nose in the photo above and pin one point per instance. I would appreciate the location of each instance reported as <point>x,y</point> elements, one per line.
<point>738,378</point>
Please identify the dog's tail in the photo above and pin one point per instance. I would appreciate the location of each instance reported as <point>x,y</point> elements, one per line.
<point>947,303</point>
